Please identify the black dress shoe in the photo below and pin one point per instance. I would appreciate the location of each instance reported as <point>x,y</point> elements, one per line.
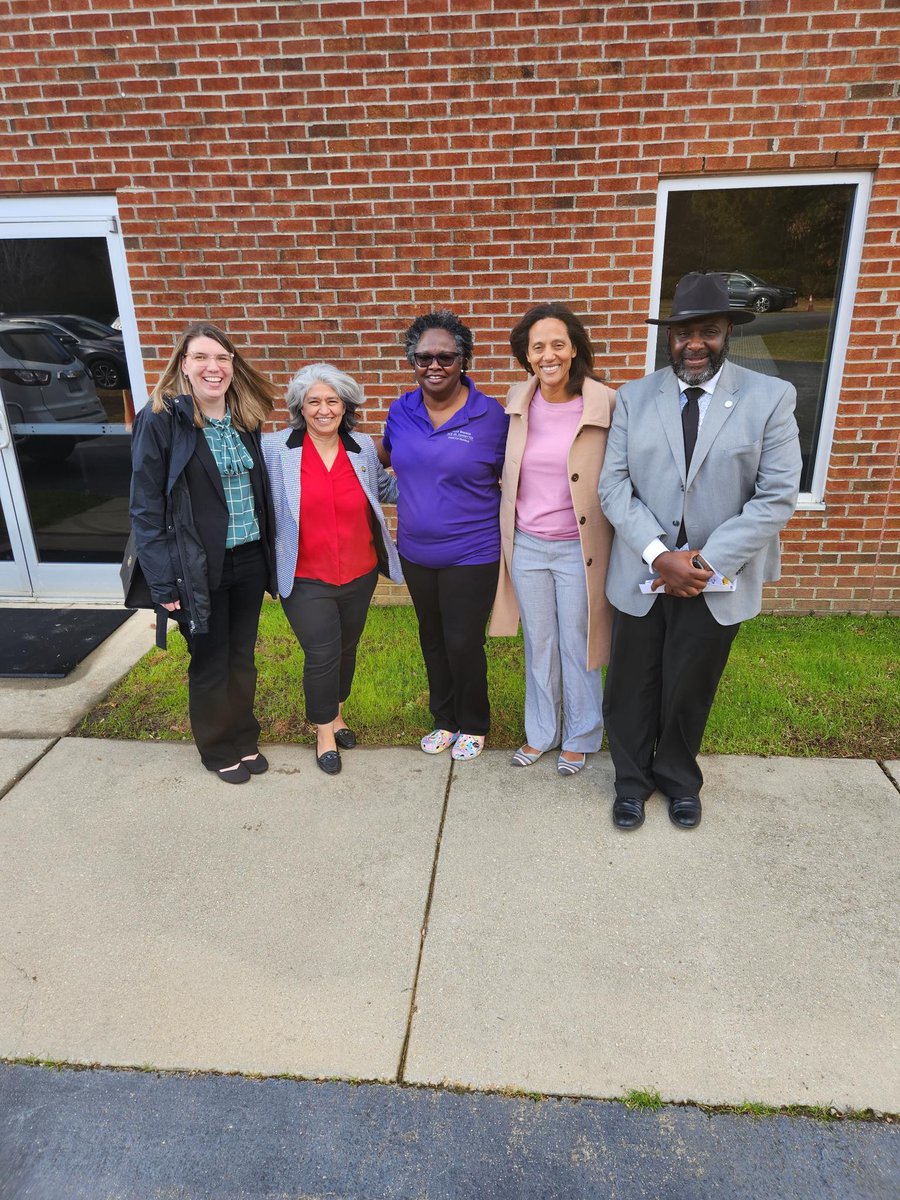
<point>238,774</point>
<point>628,812</point>
<point>345,738</point>
<point>329,762</point>
<point>257,765</point>
<point>684,811</point>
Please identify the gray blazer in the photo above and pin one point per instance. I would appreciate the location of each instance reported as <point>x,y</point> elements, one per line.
<point>739,493</point>
<point>283,452</point>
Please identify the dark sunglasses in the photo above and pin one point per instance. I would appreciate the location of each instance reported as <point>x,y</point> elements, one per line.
<point>443,360</point>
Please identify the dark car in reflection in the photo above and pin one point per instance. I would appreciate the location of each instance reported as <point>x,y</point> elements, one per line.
<point>749,291</point>
<point>100,347</point>
<point>43,384</point>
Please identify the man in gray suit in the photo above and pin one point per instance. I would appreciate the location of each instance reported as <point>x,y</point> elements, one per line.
<point>701,473</point>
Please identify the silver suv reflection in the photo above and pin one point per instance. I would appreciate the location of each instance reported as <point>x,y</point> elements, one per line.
<point>43,384</point>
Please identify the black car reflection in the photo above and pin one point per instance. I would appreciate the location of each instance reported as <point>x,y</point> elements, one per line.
<point>749,291</point>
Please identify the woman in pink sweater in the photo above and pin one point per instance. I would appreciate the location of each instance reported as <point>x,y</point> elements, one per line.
<point>555,540</point>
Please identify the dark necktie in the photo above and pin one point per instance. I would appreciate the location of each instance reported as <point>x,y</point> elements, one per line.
<point>690,423</point>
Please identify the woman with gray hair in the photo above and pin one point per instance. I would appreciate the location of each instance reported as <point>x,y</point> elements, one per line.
<point>331,540</point>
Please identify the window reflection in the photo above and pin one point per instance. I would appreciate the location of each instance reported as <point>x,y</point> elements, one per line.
<point>781,251</point>
<point>64,383</point>
<point>77,496</point>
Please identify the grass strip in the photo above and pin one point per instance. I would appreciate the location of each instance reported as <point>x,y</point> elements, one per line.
<point>801,686</point>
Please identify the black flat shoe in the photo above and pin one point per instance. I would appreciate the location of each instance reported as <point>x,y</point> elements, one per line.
<point>628,812</point>
<point>256,764</point>
<point>329,762</point>
<point>685,811</point>
<point>238,774</point>
<point>345,738</point>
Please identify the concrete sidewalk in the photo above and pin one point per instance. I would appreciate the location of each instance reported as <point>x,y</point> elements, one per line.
<point>419,921</point>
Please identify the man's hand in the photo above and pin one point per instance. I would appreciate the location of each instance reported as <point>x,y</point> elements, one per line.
<point>677,572</point>
<point>174,606</point>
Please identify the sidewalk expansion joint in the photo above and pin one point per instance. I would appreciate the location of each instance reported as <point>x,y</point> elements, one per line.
<point>423,934</point>
<point>895,783</point>
<point>4,791</point>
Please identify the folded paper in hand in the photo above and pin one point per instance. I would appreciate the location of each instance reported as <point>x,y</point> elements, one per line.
<point>718,583</point>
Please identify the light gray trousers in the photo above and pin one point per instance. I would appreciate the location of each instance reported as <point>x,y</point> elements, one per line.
<point>548,577</point>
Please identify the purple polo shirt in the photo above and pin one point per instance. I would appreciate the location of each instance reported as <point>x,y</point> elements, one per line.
<point>448,511</point>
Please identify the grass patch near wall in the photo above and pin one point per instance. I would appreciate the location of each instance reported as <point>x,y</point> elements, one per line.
<point>801,686</point>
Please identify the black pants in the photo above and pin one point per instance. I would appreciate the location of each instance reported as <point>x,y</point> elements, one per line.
<point>328,621</point>
<point>452,606</point>
<point>664,669</point>
<point>222,674</point>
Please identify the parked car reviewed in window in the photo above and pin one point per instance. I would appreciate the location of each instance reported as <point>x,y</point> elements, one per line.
<point>749,291</point>
<point>100,347</point>
<point>43,383</point>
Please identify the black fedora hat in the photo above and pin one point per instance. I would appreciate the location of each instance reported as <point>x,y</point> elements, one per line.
<point>700,295</point>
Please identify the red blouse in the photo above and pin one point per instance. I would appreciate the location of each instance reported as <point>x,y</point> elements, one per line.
<point>336,542</point>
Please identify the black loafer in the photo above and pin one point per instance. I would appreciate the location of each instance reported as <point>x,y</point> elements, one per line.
<point>345,738</point>
<point>329,762</point>
<point>256,766</point>
<point>685,811</point>
<point>628,812</point>
<point>238,774</point>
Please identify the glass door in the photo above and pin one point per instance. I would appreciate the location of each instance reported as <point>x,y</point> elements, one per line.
<point>69,381</point>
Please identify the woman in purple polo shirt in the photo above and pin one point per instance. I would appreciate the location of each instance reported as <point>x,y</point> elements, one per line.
<point>446,441</point>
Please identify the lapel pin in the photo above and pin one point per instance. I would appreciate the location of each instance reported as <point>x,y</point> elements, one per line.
<point>728,403</point>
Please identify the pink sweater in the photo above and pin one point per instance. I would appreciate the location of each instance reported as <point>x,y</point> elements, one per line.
<point>544,501</point>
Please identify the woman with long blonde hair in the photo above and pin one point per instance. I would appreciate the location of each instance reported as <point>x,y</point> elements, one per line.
<point>201,512</point>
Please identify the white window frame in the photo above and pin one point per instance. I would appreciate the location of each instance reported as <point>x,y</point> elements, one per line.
<point>862,180</point>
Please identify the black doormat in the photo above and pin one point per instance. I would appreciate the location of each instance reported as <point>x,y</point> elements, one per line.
<point>47,643</point>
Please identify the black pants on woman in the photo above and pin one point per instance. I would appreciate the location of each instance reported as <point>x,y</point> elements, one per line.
<point>328,620</point>
<point>222,674</point>
<point>452,606</point>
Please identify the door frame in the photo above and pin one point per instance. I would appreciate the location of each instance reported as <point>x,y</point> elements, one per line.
<point>64,217</point>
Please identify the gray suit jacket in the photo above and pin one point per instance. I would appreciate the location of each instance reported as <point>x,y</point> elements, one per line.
<point>283,452</point>
<point>739,493</point>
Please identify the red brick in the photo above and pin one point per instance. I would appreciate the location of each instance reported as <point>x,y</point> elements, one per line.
<point>525,156</point>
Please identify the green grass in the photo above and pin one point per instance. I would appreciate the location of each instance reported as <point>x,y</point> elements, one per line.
<point>797,345</point>
<point>802,686</point>
<point>640,1101</point>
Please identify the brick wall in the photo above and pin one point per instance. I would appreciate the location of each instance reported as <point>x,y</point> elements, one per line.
<point>313,175</point>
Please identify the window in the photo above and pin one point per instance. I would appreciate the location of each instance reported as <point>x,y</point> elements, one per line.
<point>788,248</point>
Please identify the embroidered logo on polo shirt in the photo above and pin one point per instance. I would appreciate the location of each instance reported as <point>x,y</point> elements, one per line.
<point>460,435</point>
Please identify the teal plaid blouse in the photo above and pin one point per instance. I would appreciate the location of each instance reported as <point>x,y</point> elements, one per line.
<point>235,463</point>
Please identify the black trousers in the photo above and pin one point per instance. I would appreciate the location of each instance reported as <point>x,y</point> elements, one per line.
<point>663,672</point>
<point>222,673</point>
<point>452,606</point>
<point>328,620</point>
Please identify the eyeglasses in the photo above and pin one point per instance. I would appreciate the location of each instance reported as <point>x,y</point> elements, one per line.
<point>443,360</point>
<point>220,360</point>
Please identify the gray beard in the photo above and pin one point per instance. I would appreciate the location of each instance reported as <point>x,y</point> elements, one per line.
<point>695,378</point>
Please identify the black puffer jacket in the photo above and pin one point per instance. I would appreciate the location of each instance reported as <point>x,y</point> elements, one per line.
<point>178,510</point>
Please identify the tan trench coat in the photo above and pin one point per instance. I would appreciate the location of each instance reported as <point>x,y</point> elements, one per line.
<point>596,534</point>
